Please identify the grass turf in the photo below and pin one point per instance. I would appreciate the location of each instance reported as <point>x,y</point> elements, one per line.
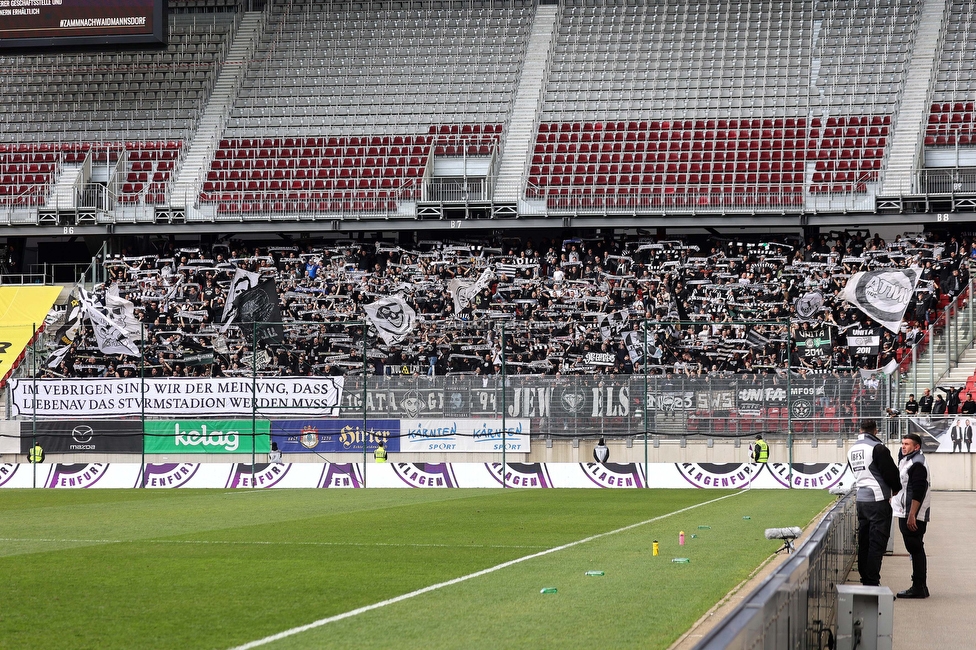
<point>217,568</point>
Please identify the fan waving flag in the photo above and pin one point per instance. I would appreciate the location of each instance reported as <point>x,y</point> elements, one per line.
<point>392,317</point>
<point>883,295</point>
<point>256,310</point>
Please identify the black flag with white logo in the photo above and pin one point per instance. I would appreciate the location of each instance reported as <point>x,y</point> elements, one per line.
<point>257,312</point>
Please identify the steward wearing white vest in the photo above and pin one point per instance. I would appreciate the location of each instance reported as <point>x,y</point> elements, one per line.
<point>876,480</point>
<point>911,506</point>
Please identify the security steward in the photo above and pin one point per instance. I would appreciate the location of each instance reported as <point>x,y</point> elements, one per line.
<point>912,507</point>
<point>36,454</point>
<point>760,450</point>
<point>380,453</point>
<point>876,479</point>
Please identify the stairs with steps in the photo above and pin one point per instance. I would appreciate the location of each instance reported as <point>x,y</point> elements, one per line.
<point>521,127</point>
<point>187,185</point>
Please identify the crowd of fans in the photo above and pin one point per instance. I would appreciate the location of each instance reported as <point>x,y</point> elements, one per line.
<point>573,306</point>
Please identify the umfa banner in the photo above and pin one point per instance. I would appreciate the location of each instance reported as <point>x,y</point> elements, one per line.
<point>883,295</point>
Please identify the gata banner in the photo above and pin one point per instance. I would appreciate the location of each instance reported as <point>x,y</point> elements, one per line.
<point>82,436</point>
<point>335,436</point>
<point>207,437</point>
<point>176,397</point>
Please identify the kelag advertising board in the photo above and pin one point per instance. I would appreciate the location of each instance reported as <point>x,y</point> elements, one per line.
<point>207,437</point>
<point>82,436</point>
<point>333,436</point>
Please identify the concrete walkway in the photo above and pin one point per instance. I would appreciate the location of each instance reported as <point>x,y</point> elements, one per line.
<point>947,619</point>
<point>944,621</point>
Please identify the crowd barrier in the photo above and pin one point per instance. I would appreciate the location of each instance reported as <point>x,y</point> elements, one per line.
<point>796,605</point>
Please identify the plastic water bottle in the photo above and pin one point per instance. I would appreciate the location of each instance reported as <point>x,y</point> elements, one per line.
<point>594,573</point>
<point>704,528</point>
<point>548,590</point>
<point>681,538</point>
<point>681,560</point>
<point>747,517</point>
<point>655,548</point>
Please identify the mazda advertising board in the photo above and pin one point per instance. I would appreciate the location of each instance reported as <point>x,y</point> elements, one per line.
<point>82,436</point>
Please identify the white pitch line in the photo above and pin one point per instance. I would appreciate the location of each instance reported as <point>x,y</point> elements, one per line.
<point>477,574</point>
<point>254,543</point>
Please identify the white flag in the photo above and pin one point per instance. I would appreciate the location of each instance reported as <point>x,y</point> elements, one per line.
<point>392,317</point>
<point>122,312</point>
<point>464,291</point>
<point>111,338</point>
<point>883,295</point>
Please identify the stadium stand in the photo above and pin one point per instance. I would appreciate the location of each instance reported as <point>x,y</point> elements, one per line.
<point>560,300</point>
<point>950,120</point>
<point>130,111</point>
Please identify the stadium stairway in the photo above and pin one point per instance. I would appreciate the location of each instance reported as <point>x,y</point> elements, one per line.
<point>63,192</point>
<point>904,152</point>
<point>521,129</point>
<point>207,135</point>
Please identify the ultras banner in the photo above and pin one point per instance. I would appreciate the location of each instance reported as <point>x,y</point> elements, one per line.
<point>82,436</point>
<point>176,397</point>
<point>332,436</point>
<point>813,476</point>
<point>208,437</point>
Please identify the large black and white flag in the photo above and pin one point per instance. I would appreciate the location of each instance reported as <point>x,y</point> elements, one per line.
<point>635,346</point>
<point>66,334</point>
<point>883,295</point>
<point>809,305</point>
<point>256,311</point>
<point>464,291</point>
<point>111,338</point>
<point>243,281</point>
<point>122,312</point>
<point>392,317</point>
<point>612,324</point>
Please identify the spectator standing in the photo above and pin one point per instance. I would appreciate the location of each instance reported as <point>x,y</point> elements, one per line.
<point>760,450</point>
<point>601,453</point>
<point>876,480</point>
<point>952,401</point>
<point>939,406</point>
<point>969,406</point>
<point>274,456</point>
<point>925,403</point>
<point>912,508</point>
<point>911,406</point>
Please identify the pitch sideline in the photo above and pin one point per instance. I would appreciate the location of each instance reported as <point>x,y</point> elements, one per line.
<point>477,574</point>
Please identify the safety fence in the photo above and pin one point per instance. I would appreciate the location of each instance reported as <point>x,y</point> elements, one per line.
<point>618,406</point>
<point>796,606</point>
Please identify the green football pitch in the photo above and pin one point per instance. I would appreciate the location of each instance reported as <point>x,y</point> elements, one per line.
<point>221,568</point>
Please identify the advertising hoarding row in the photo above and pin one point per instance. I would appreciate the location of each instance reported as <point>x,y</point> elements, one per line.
<point>245,436</point>
<point>428,475</point>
